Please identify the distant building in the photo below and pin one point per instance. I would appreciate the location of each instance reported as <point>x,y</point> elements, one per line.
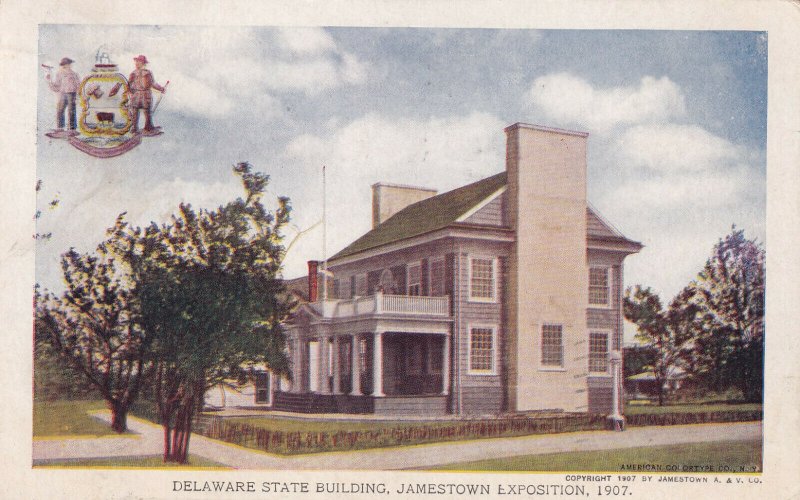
<point>504,295</point>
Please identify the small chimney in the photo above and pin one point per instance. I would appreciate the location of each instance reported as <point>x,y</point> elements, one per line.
<point>313,280</point>
<point>388,199</point>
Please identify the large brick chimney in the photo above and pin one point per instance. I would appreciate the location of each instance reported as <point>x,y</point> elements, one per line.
<point>388,199</point>
<point>547,269</point>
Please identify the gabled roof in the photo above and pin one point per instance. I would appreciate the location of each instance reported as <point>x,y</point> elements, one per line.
<point>438,212</point>
<point>427,215</point>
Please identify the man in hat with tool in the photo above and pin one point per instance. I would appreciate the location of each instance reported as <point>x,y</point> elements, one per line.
<point>66,84</point>
<point>140,82</point>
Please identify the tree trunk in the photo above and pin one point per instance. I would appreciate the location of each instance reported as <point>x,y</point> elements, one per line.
<point>167,447</point>
<point>176,440</point>
<point>119,418</point>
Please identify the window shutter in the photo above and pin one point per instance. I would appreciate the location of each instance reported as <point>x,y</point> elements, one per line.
<point>424,271</point>
<point>449,265</point>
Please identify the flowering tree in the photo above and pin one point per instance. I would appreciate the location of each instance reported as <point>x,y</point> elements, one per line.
<point>210,297</point>
<point>93,327</point>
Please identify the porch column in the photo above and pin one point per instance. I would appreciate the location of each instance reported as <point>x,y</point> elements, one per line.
<point>355,368</point>
<point>297,365</point>
<point>324,381</point>
<point>336,366</point>
<point>446,366</point>
<point>377,366</point>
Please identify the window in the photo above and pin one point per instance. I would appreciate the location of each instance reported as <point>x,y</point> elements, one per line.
<point>262,387</point>
<point>599,291</point>
<point>386,283</point>
<point>481,350</point>
<point>598,352</point>
<point>552,348</point>
<point>361,285</point>
<point>482,279</point>
<point>414,279</point>
<point>436,271</point>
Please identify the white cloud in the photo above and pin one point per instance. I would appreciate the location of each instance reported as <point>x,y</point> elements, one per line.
<point>306,41</point>
<point>696,190</point>
<point>310,76</point>
<point>82,221</point>
<point>681,188</point>
<point>440,152</point>
<point>673,147</point>
<point>678,166</point>
<point>212,68</point>
<point>570,100</point>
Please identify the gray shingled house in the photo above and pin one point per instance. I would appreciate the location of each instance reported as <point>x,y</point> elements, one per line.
<point>500,296</point>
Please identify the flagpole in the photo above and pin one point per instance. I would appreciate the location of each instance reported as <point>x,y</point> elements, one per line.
<point>324,238</point>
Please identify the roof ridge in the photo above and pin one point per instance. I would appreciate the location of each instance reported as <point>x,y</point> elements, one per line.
<point>426,215</point>
<point>465,187</point>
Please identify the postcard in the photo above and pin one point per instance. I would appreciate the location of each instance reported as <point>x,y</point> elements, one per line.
<point>397,250</point>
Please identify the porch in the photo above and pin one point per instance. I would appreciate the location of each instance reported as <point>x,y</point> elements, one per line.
<point>377,372</point>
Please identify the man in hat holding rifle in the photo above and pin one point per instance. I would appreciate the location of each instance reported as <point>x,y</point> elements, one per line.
<point>140,83</point>
<point>66,84</point>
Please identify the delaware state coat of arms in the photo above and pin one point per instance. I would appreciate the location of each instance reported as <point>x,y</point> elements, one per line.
<point>103,109</point>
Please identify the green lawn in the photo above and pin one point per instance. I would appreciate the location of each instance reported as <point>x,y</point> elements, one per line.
<point>68,418</point>
<point>733,454</point>
<point>648,409</point>
<point>149,462</point>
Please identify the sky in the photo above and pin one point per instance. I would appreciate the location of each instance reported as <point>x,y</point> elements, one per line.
<point>676,123</point>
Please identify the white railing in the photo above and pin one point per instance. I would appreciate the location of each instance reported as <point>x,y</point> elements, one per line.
<point>405,304</point>
<point>384,304</point>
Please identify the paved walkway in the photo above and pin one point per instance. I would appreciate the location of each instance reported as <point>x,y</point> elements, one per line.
<point>150,438</point>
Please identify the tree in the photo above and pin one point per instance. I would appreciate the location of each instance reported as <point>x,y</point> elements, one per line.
<point>53,378</point>
<point>668,332</point>
<point>637,359</point>
<point>210,297</point>
<point>730,293</point>
<point>92,327</point>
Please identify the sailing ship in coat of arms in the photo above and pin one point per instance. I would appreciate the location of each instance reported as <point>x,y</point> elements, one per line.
<point>103,108</point>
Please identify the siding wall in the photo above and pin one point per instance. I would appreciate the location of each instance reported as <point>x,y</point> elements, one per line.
<point>479,394</point>
<point>492,214</point>
<point>396,262</point>
<point>606,319</point>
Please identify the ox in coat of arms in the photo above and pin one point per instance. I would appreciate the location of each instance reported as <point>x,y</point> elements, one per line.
<point>104,122</point>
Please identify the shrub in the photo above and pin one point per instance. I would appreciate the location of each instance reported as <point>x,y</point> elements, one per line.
<point>250,435</point>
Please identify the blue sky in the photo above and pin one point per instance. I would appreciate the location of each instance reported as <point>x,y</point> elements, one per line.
<point>677,124</point>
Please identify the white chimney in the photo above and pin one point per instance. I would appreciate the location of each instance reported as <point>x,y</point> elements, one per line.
<point>388,199</point>
<point>548,274</point>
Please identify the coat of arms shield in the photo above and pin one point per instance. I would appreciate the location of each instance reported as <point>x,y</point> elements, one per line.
<point>106,123</point>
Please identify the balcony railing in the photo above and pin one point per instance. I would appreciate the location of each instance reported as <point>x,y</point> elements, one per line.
<point>384,304</point>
